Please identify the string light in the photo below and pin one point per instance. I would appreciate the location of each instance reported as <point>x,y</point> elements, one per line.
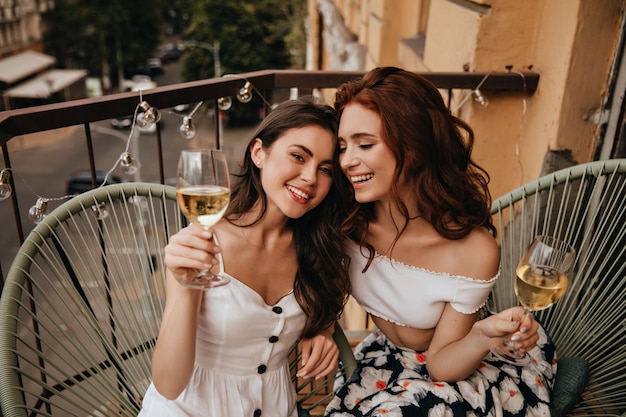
<point>224,103</point>
<point>5,186</point>
<point>100,211</point>
<point>129,164</point>
<point>245,93</point>
<point>187,130</point>
<point>149,115</point>
<point>40,210</point>
<point>476,94</point>
<point>479,98</point>
<point>144,116</point>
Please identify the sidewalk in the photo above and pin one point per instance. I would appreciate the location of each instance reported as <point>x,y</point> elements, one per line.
<point>38,139</point>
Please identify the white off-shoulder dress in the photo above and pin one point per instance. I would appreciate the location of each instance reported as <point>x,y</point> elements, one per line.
<point>393,381</point>
<point>241,367</point>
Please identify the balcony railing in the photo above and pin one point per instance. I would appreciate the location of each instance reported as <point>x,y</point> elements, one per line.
<point>84,112</point>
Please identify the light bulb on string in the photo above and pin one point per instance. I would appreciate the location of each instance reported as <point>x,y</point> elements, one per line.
<point>149,115</point>
<point>100,211</point>
<point>224,103</point>
<point>479,98</point>
<point>40,210</point>
<point>130,165</point>
<point>245,93</point>
<point>187,129</point>
<point>5,186</point>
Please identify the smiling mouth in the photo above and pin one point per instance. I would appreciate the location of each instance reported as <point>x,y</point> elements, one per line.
<point>299,193</point>
<point>361,178</point>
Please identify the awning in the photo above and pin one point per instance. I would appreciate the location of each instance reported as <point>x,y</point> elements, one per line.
<point>22,65</point>
<point>46,84</point>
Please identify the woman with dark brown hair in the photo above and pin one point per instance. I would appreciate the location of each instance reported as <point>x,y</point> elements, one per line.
<point>224,351</point>
<point>423,259</point>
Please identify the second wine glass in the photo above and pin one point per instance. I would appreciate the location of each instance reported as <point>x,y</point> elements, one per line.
<point>203,195</point>
<point>542,277</point>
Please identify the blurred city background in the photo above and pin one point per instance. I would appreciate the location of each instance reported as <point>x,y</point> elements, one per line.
<point>58,51</point>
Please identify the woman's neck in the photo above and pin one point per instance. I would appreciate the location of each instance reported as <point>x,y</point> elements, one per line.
<point>271,226</point>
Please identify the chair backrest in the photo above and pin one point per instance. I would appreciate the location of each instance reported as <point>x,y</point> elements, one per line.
<point>584,205</point>
<point>82,305</point>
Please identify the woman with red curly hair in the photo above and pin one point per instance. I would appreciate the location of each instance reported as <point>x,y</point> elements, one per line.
<point>423,260</point>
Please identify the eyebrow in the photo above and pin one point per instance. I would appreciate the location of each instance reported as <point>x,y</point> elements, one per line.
<point>359,135</point>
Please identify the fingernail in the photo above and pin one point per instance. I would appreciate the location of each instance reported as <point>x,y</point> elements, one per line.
<point>206,234</point>
<point>515,338</point>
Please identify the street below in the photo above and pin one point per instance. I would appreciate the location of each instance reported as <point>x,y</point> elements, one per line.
<point>42,164</point>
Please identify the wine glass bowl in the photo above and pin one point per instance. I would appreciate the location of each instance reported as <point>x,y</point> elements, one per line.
<point>542,277</point>
<point>203,195</point>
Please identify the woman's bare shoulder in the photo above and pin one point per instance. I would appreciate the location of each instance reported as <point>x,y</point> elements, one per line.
<point>478,255</point>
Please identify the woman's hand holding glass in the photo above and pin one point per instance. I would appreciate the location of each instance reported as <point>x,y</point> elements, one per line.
<point>542,277</point>
<point>514,328</point>
<point>189,252</point>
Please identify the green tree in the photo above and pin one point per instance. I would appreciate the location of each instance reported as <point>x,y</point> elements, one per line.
<point>103,36</point>
<point>253,35</point>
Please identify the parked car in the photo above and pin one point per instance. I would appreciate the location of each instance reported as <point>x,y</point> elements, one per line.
<point>154,67</point>
<point>122,122</point>
<point>125,122</point>
<point>170,53</point>
<point>138,82</point>
<point>80,181</point>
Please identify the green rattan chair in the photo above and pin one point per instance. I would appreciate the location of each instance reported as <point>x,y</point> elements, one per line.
<point>82,304</point>
<point>586,206</point>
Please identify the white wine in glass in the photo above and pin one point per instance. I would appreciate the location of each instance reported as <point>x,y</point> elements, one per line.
<point>203,195</point>
<point>542,276</point>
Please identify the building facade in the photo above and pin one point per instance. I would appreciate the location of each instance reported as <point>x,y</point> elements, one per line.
<point>20,25</point>
<point>577,47</point>
<point>27,75</point>
<point>576,114</point>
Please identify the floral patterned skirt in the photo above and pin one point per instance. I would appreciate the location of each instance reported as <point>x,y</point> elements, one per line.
<point>392,381</point>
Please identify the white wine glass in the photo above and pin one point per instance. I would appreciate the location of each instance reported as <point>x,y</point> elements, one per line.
<point>203,195</point>
<point>542,277</point>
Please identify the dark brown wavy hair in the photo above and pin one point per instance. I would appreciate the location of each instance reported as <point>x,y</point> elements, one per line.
<point>432,149</point>
<point>322,285</point>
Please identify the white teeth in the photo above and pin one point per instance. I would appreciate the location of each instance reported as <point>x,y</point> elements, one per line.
<point>360,178</point>
<point>298,192</point>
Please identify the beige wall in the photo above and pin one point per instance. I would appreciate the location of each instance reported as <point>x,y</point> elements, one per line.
<point>572,44</point>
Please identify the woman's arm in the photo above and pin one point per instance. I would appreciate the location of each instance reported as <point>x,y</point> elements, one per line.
<point>187,252</point>
<point>460,342</point>
<point>175,351</point>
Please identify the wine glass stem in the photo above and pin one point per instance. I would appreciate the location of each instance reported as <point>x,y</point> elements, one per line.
<point>218,255</point>
<point>526,315</point>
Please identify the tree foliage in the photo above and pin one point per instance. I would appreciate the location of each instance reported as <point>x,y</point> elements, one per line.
<point>253,35</point>
<point>103,35</point>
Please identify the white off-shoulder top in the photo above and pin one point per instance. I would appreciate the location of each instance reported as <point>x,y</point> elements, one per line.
<point>409,295</point>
